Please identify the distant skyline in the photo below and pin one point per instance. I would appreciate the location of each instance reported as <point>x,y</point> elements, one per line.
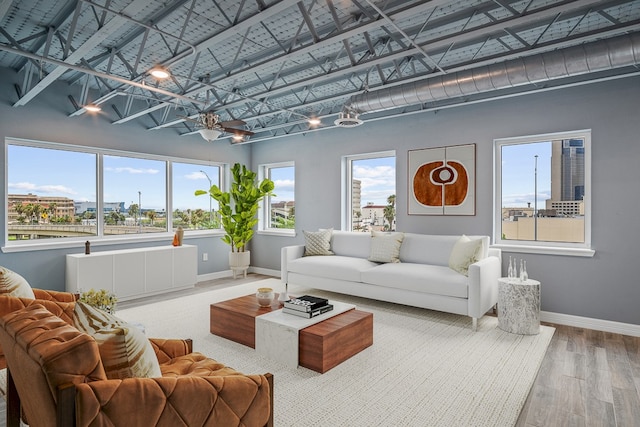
<point>50,172</point>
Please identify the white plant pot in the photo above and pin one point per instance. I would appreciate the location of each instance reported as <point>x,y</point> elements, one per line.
<point>239,262</point>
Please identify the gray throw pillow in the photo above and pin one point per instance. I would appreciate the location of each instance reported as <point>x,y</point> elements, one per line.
<point>317,242</point>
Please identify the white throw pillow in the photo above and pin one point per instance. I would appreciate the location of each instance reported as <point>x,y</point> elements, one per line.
<point>464,253</point>
<point>317,242</point>
<point>124,349</point>
<point>13,284</point>
<point>385,246</point>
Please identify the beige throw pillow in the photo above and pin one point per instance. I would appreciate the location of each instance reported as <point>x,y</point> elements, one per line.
<point>464,253</point>
<point>13,284</point>
<point>124,349</point>
<point>385,246</point>
<point>317,242</point>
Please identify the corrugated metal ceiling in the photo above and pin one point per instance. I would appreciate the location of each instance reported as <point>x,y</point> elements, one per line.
<point>275,63</point>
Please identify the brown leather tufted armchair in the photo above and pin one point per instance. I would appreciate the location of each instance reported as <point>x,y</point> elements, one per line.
<point>55,373</point>
<point>59,303</point>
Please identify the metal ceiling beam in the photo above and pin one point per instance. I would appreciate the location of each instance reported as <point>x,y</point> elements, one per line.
<point>109,28</point>
<point>61,64</point>
<point>321,44</point>
<point>433,47</point>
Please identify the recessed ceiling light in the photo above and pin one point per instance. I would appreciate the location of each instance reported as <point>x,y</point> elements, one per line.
<point>314,121</point>
<point>93,108</point>
<point>159,73</point>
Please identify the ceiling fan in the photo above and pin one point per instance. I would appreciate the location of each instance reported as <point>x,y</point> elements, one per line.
<point>212,127</point>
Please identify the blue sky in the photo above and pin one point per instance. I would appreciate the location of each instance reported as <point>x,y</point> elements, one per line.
<point>56,173</point>
<point>377,179</point>
<point>518,174</point>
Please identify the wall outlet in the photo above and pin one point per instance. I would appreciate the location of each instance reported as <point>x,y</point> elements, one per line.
<point>205,256</point>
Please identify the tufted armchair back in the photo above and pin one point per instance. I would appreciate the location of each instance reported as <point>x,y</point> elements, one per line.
<point>59,303</point>
<point>55,373</point>
<point>45,353</point>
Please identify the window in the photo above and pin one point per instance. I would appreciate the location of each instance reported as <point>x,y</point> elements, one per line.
<point>46,187</point>
<point>191,211</point>
<point>543,193</point>
<point>279,211</point>
<point>369,194</point>
<point>60,192</point>
<point>134,195</point>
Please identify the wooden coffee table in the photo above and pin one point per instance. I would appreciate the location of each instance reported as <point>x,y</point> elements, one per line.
<point>321,346</point>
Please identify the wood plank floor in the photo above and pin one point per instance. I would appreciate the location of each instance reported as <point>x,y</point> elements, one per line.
<point>587,378</point>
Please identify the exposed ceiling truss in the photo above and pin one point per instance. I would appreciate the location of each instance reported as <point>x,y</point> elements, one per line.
<point>275,64</point>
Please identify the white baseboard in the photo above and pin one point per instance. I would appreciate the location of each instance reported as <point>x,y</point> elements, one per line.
<point>589,323</point>
<point>229,273</point>
<point>265,271</point>
<point>213,276</point>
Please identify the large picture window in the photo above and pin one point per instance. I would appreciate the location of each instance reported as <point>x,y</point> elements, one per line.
<point>60,192</point>
<point>137,187</point>
<point>543,188</point>
<point>190,211</point>
<point>51,193</point>
<point>369,201</point>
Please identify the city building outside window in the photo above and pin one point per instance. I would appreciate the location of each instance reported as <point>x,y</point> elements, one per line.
<point>369,192</point>
<point>278,213</point>
<point>52,194</point>
<point>543,192</point>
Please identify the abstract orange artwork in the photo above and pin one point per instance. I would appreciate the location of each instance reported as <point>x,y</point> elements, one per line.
<point>442,180</point>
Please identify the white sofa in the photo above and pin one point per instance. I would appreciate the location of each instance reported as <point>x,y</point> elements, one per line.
<point>422,278</point>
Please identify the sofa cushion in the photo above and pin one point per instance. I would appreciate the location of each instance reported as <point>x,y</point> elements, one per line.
<point>13,284</point>
<point>433,249</point>
<point>331,267</point>
<point>349,243</point>
<point>430,279</point>
<point>124,349</point>
<point>317,242</point>
<point>464,253</point>
<point>385,246</point>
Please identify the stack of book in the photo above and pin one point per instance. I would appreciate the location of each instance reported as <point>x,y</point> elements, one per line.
<point>307,306</point>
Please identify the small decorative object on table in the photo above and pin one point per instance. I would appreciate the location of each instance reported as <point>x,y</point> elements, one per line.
<point>177,238</point>
<point>265,296</point>
<point>101,299</point>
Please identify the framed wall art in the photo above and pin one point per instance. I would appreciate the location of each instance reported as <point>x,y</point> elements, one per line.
<point>442,181</point>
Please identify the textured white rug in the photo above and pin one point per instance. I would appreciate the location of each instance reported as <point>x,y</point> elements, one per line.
<point>425,368</point>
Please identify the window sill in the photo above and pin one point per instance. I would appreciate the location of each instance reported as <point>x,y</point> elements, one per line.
<point>285,232</point>
<point>41,245</point>
<point>546,250</point>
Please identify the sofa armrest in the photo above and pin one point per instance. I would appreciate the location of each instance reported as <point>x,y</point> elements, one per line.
<point>289,253</point>
<point>48,295</point>
<point>483,285</point>
<point>189,400</point>
<point>167,349</point>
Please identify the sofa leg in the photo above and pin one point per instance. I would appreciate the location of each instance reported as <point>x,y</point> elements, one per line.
<point>474,324</point>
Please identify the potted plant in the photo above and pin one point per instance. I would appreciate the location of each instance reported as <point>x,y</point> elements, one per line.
<point>238,210</point>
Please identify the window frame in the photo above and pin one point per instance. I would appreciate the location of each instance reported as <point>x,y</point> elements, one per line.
<point>100,239</point>
<point>583,249</point>
<point>264,210</point>
<point>346,212</point>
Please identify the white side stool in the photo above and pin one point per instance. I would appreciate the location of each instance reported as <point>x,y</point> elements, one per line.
<point>519,306</point>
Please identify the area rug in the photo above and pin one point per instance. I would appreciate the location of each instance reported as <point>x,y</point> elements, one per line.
<point>425,368</point>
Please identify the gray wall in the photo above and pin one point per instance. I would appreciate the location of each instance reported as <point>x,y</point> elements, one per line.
<point>602,287</point>
<point>46,119</point>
